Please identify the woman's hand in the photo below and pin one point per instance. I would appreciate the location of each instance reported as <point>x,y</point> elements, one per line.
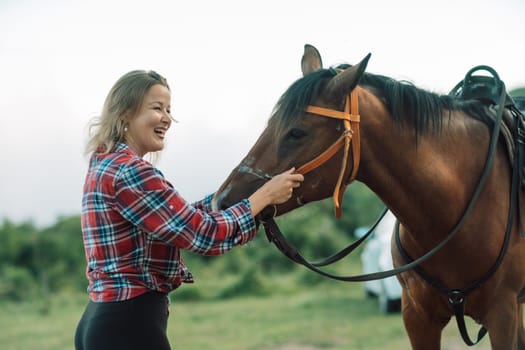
<point>276,191</point>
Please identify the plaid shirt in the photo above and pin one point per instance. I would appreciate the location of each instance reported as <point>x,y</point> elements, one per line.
<point>134,224</point>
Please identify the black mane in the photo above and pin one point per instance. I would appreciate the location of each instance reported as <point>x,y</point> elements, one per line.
<point>299,95</point>
<point>407,104</point>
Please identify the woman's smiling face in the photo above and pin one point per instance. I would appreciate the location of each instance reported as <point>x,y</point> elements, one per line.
<point>147,129</point>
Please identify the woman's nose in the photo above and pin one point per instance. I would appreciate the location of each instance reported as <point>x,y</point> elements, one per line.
<point>170,118</point>
<point>167,119</point>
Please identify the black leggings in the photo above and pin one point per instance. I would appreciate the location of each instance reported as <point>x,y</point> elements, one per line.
<point>134,324</point>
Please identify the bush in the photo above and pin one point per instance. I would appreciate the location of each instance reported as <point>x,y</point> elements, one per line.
<point>17,284</point>
<point>187,293</point>
<point>250,283</point>
<point>309,278</point>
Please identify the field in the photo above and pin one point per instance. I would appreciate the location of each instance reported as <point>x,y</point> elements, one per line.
<point>332,315</point>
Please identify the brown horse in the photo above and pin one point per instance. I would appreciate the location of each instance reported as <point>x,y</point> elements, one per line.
<point>422,154</point>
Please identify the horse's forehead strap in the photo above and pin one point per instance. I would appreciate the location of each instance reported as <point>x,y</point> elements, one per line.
<point>344,115</point>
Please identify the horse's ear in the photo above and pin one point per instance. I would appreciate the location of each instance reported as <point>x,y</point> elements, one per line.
<point>311,60</point>
<point>343,83</point>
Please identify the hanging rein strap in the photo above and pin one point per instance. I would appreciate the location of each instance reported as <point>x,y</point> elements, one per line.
<point>350,117</point>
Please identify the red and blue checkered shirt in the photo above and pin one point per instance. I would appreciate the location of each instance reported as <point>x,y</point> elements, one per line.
<point>134,224</point>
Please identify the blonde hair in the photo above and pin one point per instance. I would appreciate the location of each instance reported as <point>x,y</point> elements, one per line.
<point>121,104</point>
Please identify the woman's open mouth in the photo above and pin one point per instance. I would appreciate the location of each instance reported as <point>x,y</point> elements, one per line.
<point>160,131</point>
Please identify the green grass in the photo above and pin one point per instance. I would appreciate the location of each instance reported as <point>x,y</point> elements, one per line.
<point>332,315</point>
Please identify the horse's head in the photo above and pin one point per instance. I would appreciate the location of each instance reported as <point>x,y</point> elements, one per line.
<point>298,133</point>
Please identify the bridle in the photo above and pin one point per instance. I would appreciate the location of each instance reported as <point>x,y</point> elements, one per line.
<point>349,137</point>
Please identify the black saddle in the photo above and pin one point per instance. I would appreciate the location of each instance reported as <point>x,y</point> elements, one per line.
<point>486,89</point>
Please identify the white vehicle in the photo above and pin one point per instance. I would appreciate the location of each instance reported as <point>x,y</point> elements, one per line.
<point>376,256</point>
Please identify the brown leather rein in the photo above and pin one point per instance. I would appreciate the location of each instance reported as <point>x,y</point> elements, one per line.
<point>350,136</point>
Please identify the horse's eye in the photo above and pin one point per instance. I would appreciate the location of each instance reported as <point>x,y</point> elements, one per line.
<point>296,134</point>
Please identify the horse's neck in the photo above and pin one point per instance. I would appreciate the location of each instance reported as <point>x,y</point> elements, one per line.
<point>432,179</point>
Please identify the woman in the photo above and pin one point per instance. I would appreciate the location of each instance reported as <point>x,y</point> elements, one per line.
<point>134,222</point>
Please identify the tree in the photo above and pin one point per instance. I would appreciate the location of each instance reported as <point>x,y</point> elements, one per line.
<point>17,281</point>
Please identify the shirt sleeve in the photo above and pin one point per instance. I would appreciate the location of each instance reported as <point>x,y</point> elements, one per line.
<point>204,204</point>
<point>145,199</point>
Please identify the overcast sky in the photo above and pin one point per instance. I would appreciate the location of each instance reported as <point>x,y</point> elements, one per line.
<point>227,63</point>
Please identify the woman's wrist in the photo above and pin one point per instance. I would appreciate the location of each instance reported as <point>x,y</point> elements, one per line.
<point>258,201</point>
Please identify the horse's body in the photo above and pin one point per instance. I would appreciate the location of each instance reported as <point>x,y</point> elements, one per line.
<point>422,154</point>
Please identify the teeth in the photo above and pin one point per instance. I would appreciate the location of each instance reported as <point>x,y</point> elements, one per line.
<point>159,131</point>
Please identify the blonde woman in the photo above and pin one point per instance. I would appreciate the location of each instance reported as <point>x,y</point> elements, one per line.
<point>135,223</point>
